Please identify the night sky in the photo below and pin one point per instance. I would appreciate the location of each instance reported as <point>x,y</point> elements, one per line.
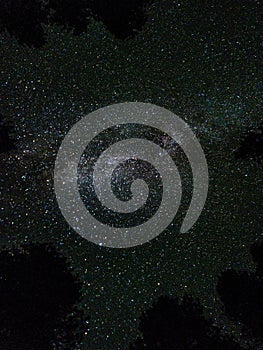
<point>202,62</point>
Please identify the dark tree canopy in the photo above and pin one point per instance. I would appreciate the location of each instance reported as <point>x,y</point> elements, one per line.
<point>37,295</point>
<point>6,141</point>
<point>252,147</point>
<point>242,295</point>
<point>170,325</point>
<point>257,253</point>
<point>24,18</point>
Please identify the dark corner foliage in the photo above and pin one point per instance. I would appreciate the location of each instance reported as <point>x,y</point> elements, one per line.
<point>38,300</point>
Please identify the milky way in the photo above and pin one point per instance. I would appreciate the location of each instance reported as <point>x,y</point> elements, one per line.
<point>186,59</point>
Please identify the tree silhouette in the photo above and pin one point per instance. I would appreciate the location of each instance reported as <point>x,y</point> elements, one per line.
<point>170,325</point>
<point>6,141</point>
<point>122,18</point>
<point>72,14</point>
<point>23,18</point>
<point>242,295</point>
<point>252,146</point>
<point>37,296</point>
<point>257,254</point>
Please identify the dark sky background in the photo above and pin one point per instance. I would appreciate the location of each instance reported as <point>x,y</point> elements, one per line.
<point>61,60</point>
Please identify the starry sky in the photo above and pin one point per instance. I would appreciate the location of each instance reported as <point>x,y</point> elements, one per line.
<point>200,62</point>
